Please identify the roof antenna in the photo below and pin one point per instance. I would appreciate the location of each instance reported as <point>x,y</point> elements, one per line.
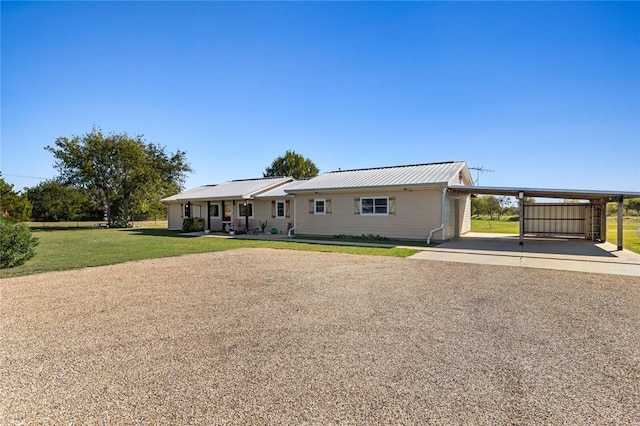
<point>479,169</point>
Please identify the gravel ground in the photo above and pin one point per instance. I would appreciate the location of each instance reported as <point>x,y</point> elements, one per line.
<point>265,336</point>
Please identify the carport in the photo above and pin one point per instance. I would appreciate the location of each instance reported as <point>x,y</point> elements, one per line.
<point>586,219</point>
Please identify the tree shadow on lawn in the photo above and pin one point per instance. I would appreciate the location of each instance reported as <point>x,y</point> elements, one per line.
<point>65,228</point>
<point>159,232</point>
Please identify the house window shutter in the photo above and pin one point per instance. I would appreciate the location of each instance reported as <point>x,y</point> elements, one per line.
<point>392,205</point>
<point>328,206</point>
<point>273,208</point>
<point>356,205</point>
<point>287,209</point>
<point>311,206</point>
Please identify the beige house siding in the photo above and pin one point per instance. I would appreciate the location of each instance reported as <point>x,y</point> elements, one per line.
<point>414,213</point>
<point>174,216</point>
<point>264,211</point>
<point>466,216</point>
<point>463,221</point>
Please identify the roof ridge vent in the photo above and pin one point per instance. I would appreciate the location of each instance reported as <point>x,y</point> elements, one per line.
<point>394,167</point>
<point>262,178</point>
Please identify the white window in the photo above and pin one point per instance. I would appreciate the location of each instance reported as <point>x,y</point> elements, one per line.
<point>374,205</point>
<point>242,209</point>
<point>319,206</point>
<point>281,209</point>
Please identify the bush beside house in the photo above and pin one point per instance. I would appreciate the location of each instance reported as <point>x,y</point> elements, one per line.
<point>193,224</point>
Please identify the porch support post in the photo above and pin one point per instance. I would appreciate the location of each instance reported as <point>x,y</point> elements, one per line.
<point>620,211</point>
<point>521,217</point>
<point>246,215</point>
<point>209,215</point>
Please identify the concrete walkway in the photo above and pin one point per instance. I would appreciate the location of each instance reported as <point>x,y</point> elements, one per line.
<point>546,253</point>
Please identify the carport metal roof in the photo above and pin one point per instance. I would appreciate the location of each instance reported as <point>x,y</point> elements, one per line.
<point>570,194</point>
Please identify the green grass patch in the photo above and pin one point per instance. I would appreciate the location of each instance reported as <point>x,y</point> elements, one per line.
<point>630,237</point>
<point>495,226</point>
<point>73,248</point>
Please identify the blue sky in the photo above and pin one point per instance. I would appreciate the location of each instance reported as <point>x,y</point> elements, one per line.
<point>545,94</point>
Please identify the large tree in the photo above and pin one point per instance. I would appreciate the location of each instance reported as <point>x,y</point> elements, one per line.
<point>116,168</point>
<point>292,164</point>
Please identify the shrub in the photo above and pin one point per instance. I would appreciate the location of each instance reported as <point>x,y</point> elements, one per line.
<point>192,224</point>
<point>17,245</point>
<point>121,222</point>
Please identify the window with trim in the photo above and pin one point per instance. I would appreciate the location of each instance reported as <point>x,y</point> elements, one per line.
<point>319,206</point>
<point>374,205</point>
<point>215,210</point>
<point>242,209</point>
<point>280,209</point>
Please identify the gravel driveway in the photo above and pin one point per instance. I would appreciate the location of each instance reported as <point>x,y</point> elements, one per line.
<point>266,336</point>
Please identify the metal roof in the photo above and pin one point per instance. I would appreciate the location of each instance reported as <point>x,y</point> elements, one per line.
<point>410,175</point>
<point>281,191</point>
<point>569,194</point>
<point>244,188</point>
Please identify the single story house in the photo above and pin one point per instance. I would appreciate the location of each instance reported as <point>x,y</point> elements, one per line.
<point>406,202</point>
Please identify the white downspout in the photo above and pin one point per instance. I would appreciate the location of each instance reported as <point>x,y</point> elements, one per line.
<point>291,231</point>
<point>441,227</point>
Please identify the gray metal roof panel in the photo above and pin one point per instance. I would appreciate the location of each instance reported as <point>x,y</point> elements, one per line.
<point>280,191</point>
<point>410,175</point>
<point>245,188</point>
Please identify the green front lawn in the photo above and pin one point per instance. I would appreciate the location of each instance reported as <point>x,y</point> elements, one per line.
<point>81,247</point>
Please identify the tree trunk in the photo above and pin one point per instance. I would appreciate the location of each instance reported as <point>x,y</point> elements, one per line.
<point>125,208</point>
<point>107,204</point>
<point>108,215</point>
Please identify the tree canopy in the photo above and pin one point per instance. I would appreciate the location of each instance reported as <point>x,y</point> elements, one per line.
<point>292,164</point>
<point>117,168</point>
<point>53,202</point>
<point>633,204</point>
<point>13,205</point>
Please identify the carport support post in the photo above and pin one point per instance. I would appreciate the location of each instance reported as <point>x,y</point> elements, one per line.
<point>521,217</point>
<point>620,211</point>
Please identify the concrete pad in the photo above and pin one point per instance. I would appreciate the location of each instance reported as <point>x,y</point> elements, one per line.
<point>485,259</point>
<point>546,253</point>
<point>582,266</point>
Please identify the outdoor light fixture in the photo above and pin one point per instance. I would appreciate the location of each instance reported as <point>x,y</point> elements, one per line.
<point>521,195</point>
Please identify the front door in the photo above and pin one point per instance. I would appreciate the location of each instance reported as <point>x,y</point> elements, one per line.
<point>227,210</point>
